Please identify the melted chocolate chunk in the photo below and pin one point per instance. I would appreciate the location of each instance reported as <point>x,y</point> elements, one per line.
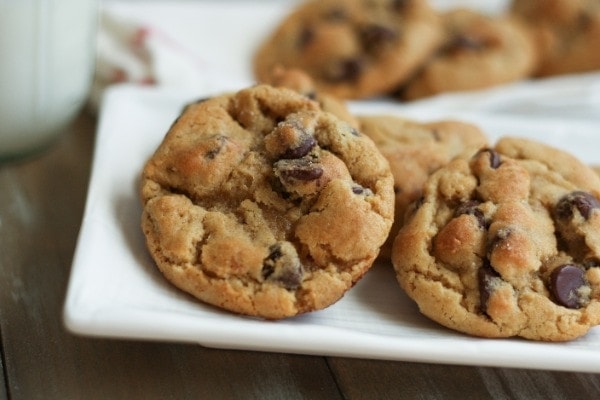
<point>283,266</point>
<point>470,208</point>
<point>464,42</point>
<point>359,190</point>
<point>584,21</point>
<point>302,169</point>
<point>306,36</point>
<point>307,142</point>
<point>485,277</point>
<point>374,36</point>
<point>399,5</point>
<point>565,284</point>
<point>494,157</point>
<point>584,202</point>
<point>347,70</point>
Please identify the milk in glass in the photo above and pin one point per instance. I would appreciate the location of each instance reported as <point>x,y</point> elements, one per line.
<point>46,65</point>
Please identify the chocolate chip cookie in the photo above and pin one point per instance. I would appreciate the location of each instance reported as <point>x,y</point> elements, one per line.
<point>352,48</point>
<point>479,51</point>
<point>262,204</point>
<point>506,243</point>
<point>567,33</point>
<point>414,150</point>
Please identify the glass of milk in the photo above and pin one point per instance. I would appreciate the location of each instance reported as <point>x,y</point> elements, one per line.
<point>47,51</point>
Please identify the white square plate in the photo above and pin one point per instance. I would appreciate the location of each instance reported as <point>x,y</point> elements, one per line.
<point>116,291</point>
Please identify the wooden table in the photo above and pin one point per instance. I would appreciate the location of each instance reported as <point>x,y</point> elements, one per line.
<point>41,205</point>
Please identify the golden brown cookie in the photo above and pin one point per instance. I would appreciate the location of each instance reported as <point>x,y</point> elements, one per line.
<point>506,243</point>
<point>352,48</point>
<point>414,150</point>
<point>260,203</point>
<point>567,33</point>
<point>302,83</point>
<point>479,51</point>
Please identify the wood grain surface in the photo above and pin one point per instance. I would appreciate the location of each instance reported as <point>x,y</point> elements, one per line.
<point>41,205</point>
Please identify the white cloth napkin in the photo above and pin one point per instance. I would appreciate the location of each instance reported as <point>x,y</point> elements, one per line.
<point>137,50</point>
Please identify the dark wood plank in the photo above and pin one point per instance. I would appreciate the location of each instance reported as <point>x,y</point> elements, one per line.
<point>368,379</point>
<point>138,370</point>
<point>41,205</point>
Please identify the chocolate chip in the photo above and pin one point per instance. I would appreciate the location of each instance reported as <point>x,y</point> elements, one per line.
<point>399,5</point>
<point>565,284</point>
<point>307,142</point>
<point>337,14</point>
<point>283,266</point>
<point>302,169</point>
<point>486,275</point>
<point>470,207</point>
<point>494,157</point>
<point>347,70</point>
<point>306,36</point>
<point>359,190</point>
<point>584,202</point>
<point>373,36</point>
<point>218,142</point>
<point>464,42</point>
<point>584,21</point>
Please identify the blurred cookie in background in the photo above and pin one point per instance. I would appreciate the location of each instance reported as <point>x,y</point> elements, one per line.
<point>353,48</point>
<point>479,51</point>
<point>567,33</point>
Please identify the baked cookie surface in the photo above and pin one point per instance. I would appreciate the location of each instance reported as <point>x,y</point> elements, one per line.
<point>479,51</point>
<point>414,151</point>
<point>352,48</point>
<point>567,33</point>
<point>506,243</point>
<point>260,203</point>
<point>301,82</point>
